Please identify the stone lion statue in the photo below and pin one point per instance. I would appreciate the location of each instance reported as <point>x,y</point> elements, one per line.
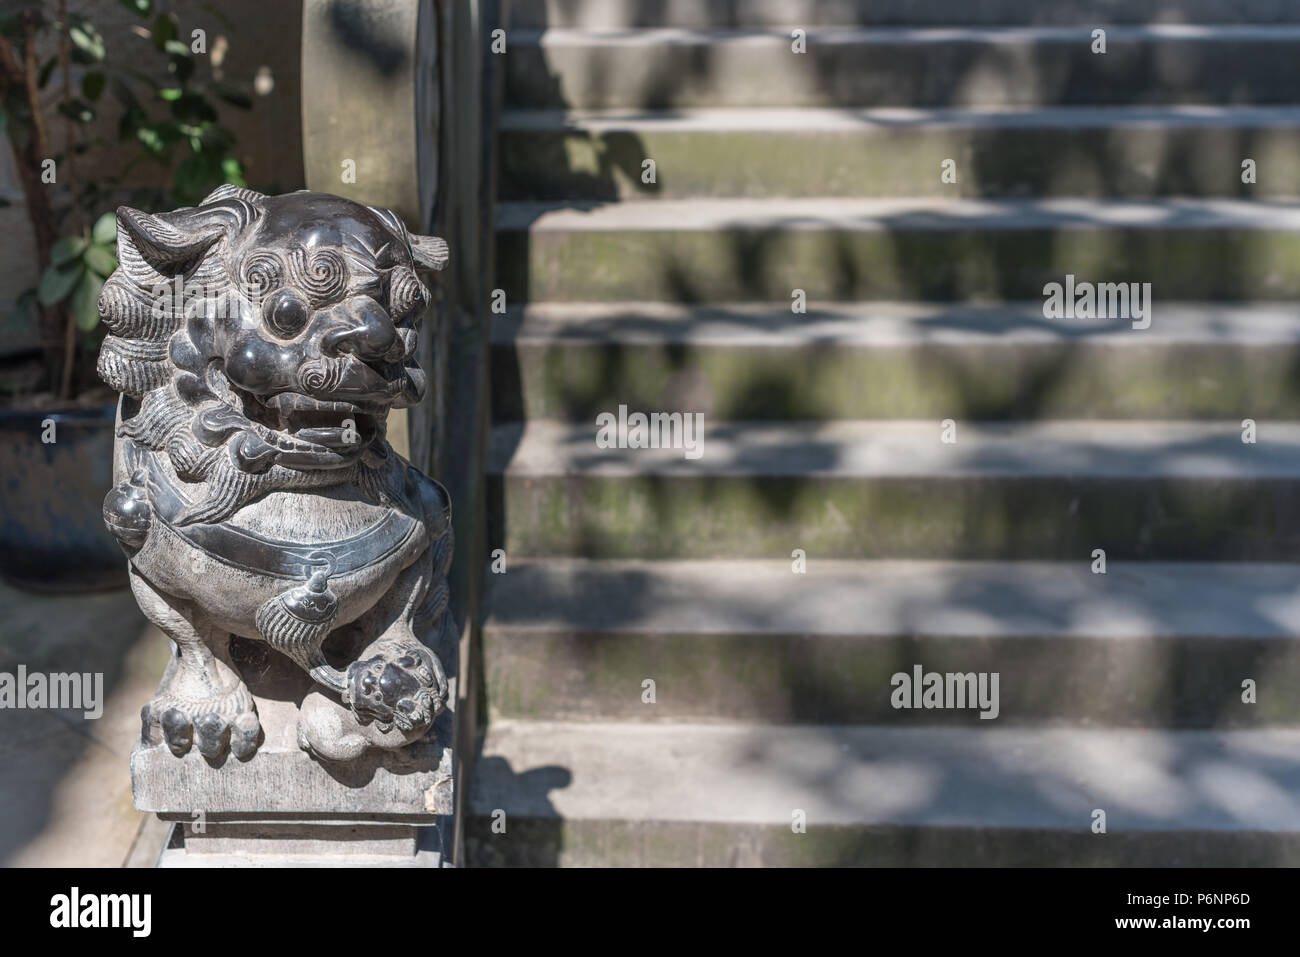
<point>258,343</point>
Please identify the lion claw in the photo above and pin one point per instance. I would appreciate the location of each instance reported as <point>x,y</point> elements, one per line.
<point>213,734</point>
<point>244,734</point>
<point>177,731</point>
<point>209,732</point>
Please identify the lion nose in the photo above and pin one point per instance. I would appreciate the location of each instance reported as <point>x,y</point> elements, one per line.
<point>365,332</point>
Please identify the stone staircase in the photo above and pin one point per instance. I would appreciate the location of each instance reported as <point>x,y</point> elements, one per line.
<point>771,738</point>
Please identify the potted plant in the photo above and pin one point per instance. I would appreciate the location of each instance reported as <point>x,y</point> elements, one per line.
<point>82,124</point>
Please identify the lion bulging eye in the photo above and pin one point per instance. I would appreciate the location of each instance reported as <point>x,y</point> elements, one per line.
<point>285,313</point>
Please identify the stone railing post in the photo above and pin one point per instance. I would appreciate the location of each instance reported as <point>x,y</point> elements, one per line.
<point>370,132</point>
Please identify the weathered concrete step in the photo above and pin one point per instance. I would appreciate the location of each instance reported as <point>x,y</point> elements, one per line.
<point>615,14</point>
<point>1058,490</point>
<point>626,794</point>
<point>951,66</point>
<point>917,248</point>
<point>744,361</point>
<point>1076,151</point>
<point>1147,644</point>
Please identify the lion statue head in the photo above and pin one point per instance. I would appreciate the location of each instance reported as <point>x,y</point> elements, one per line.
<point>260,341</point>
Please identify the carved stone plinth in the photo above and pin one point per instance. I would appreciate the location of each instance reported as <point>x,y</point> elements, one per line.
<point>284,807</point>
<point>297,564</point>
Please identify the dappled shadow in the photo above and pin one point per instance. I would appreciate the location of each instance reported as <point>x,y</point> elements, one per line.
<point>1106,651</point>
<point>893,489</point>
<point>371,37</point>
<point>735,14</point>
<point>922,249</point>
<point>1136,648</point>
<point>544,155</point>
<point>56,764</point>
<point>1144,645</point>
<point>571,361</point>
<point>530,833</point>
<point>902,66</point>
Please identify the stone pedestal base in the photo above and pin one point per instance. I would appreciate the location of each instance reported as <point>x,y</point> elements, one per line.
<point>284,807</point>
<point>272,843</point>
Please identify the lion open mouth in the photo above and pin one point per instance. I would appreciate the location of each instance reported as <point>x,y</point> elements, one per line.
<point>308,432</point>
<point>331,425</point>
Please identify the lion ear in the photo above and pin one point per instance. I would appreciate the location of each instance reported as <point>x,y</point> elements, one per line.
<point>429,251</point>
<point>228,191</point>
<point>170,242</point>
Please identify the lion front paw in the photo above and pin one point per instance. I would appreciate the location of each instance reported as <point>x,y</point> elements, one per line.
<point>215,726</point>
<point>403,686</point>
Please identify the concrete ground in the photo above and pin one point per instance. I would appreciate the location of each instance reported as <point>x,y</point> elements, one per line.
<point>65,785</point>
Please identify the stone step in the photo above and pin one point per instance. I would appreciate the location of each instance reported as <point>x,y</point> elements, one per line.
<point>616,14</point>
<point>746,361</point>
<point>1147,644</point>
<point>949,66</point>
<point>583,794</point>
<point>916,248</point>
<point>1076,151</point>
<point>863,489</point>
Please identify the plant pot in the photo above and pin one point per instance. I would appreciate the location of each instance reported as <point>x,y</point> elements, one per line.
<point>52,534</point>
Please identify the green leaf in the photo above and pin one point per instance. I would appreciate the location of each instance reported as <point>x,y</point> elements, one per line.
<point>234,95</point>
<point>66,250</point>
<point>129,123</point>
<point>171,93</point>
<point>24,314</point>
<point>176,48</point>
<point>151,139</point>
<point>182,67</point>
<point>77,109</point>
<point>84,304</point>
<point>11,20</point>
<point>56,282</point>
<point>226,21</point>
<point>195,178</point>
<point>124,94</point>
<point>44,76</point>
<point>99,259</point>
<point>164,29</point>
<point>104,231</point>
<point>87,41</point>
<point>92,85</point>
<point>194,108</point>
<point>141,8</point>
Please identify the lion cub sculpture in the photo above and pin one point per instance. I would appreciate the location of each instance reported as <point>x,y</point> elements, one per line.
<point>258,343</point>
